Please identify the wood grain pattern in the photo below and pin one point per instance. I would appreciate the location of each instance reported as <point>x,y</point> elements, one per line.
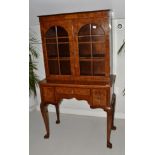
<point>99,97</point>
<point>48,94</point>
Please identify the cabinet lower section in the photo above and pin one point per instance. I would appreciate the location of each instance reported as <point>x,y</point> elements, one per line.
<point>98,96</point>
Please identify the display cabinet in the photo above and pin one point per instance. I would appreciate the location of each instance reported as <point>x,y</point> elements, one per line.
<point>78,62</point>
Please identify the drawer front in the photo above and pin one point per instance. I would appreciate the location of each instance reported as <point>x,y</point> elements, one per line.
<point>75,91</point>
<point>64,90</point>
<point>48,94</point>
<point>82,91</point>
<point>99,97</point>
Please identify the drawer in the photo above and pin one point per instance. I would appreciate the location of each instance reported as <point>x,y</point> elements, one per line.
<point>76,91</point>
<point>82,91</point>
<point>48,94</point>
<point>99,97</point>
<point>64,90</point>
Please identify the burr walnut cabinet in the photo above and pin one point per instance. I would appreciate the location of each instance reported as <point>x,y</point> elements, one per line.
<point>78,62</point>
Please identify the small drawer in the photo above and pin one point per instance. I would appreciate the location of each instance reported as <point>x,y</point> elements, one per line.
<point>48,94</point>
<point>99,97</point>
<point>82,91</point>
<point>64,90</point>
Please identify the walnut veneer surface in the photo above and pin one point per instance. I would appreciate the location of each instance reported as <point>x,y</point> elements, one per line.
<point>78,58</point>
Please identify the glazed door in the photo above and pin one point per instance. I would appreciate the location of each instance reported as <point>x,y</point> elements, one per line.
<point>92,48</point>
<point>58,51</point>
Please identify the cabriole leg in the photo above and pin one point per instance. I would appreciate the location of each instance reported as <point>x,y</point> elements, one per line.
<point>109,123</point>
<point>58,113</point>
<point>44,112</point>
<point>113,111</point>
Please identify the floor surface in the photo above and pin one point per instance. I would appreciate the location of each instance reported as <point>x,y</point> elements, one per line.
<point>75,135</point>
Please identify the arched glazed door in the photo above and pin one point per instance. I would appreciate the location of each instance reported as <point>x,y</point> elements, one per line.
<point>91,50</point>
<point>58,51</point>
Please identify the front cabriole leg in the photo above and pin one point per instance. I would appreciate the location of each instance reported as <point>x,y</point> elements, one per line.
<point>109,125</point>
<point>58,113</point>
<point>44,112</point>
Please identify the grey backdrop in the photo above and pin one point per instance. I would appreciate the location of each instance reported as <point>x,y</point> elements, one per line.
<point>43,7</point>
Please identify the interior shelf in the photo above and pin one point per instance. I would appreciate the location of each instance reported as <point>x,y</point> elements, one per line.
<point>57,37</point>
<point>58,43</point>
<point>60,58</point>
<point>91,59</point>
<point>91,42</point>
<point>91,35</point>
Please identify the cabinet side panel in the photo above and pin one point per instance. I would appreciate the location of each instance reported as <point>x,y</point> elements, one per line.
<point>111,44</point>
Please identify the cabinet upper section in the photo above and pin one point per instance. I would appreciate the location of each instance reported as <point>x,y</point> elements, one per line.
<point>76,46</point>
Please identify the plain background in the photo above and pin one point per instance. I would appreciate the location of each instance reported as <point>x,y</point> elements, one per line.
<point>140,77</point>
<point>40,7</point>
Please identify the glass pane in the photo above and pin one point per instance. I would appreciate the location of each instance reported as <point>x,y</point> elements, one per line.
<point>96,30</point>
<point>98,50</point>
<point>85,30</point>
<point>98,38</point>
<point>53,66</point>
<point>85,50</point>
<point>63,50</point>
<point>85,67</point>
<point>98,68</point>
<point>51,32</point>
<point>63,39</point>
<point>84,39</point>
<point>65,67</point>
<point>51,50</point>
<point>61,31</point>
<point>53,40</point>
